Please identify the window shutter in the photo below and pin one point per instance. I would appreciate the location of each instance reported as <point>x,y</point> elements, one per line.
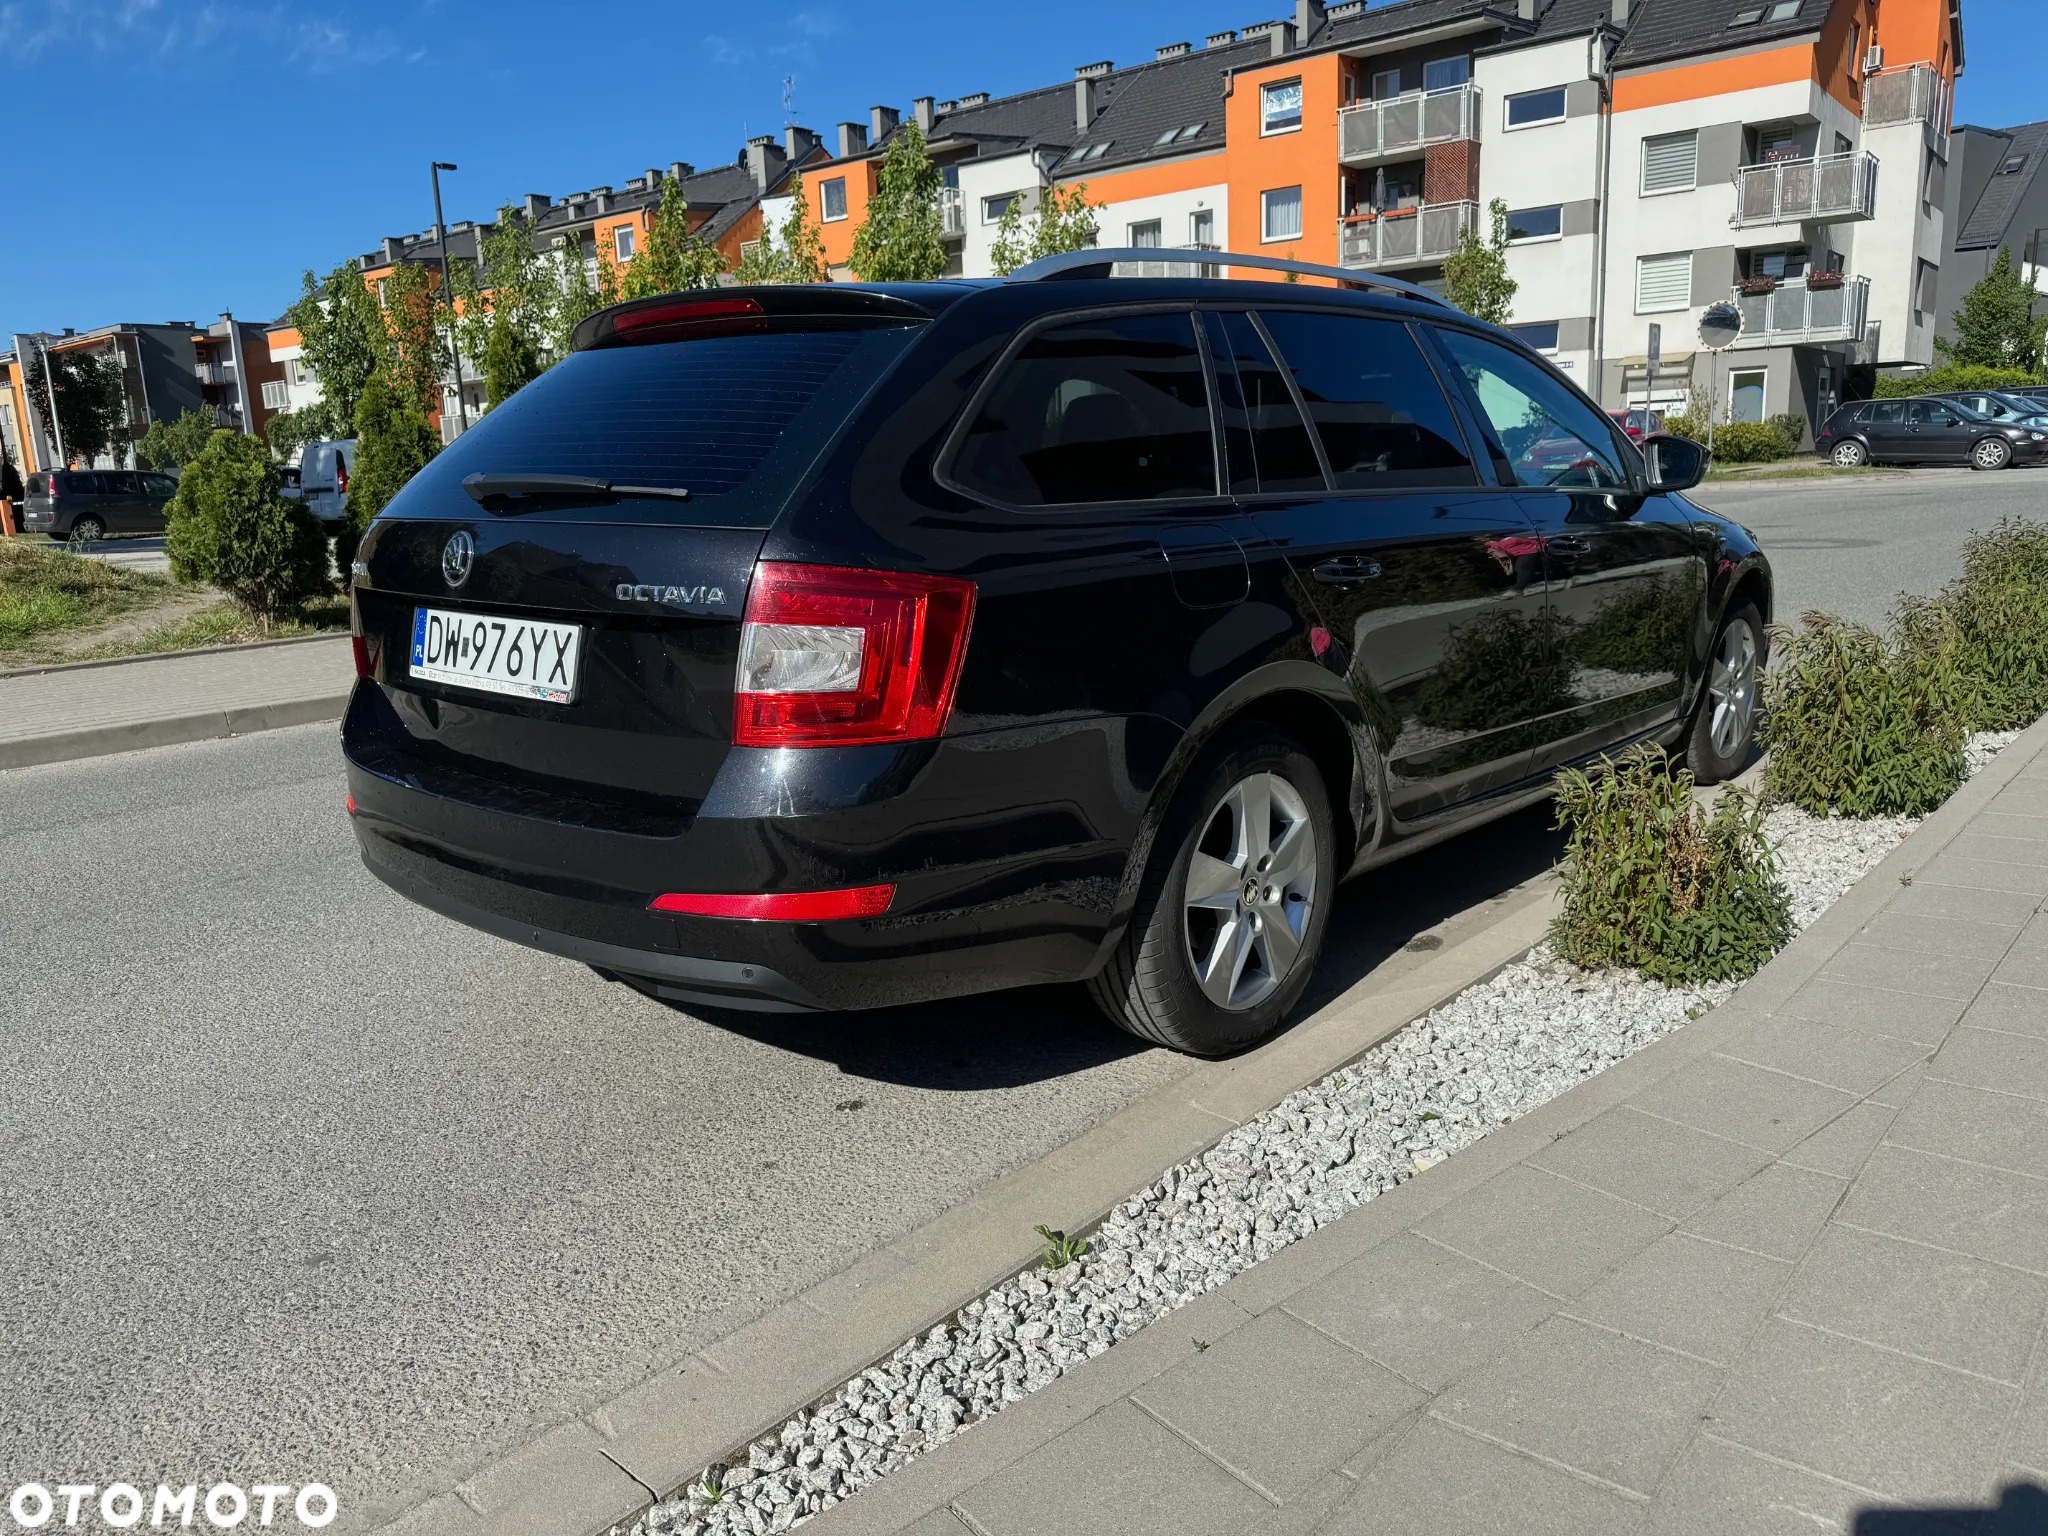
<point>1663,282</point>
<point>1671,163</point>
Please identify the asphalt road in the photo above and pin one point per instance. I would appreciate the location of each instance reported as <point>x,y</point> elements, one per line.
<point>1852,545</point>
<point>303,1183</point>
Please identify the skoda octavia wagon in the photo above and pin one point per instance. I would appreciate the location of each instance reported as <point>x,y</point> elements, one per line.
<point>834,647</point>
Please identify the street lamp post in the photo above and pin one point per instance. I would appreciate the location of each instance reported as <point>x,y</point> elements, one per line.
<point>447,292</point>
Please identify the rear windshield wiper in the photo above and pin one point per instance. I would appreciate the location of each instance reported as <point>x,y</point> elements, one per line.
<point>489,487</point>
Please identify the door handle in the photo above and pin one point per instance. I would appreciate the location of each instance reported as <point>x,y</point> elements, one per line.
<point>1345,570</point>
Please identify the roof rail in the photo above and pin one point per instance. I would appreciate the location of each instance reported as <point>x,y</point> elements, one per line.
<point>1102,263</point>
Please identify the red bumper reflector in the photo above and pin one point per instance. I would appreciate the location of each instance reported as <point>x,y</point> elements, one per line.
<point>365,664</point>
<point>783,906</point>
<point>351,805</point>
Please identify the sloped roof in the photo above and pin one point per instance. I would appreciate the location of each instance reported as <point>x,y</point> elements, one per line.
<point>1670,29</point>
<point>1987,225</point>
<point>1381,21</point>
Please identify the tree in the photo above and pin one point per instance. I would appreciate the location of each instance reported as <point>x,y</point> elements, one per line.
<point>1065,221</point>
<point>903,239</point>
<point>229,526</point>
<point>675,259</point>
<point>90,400</point>
<point>417,352</point>
<point>394,441</point>
<point>289,431</point>
<point>10,477</point>
<point>174,444</point>
<point>1994,325</point>
<point>342,338</point>
<point>578,292</point>
<point>795,253</point>
<point>505,304</point>
<point>1476,273</point>
<point>510,361</point>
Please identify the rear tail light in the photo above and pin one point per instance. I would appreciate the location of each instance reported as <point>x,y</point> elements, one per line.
<point>340,475</point>
<point>784,906</point>
<point>832,656</point>
<point>365,650</point>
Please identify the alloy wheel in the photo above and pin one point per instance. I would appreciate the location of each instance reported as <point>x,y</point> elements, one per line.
<point>1992,454</point>
<point>1250,891</point>
<point>1731,689</point>
<point>1849,455</point>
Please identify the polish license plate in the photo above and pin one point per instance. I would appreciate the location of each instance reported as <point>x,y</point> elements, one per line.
<point>519,657</point>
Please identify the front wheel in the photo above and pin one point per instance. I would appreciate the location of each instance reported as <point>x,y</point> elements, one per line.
<point>1235,900</point>
<point>1724,725</point>
<point>1851,455</point>
<point>1991,453</point>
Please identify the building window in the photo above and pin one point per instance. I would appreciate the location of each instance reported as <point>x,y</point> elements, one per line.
<point>1855,48</point>
<point>1539,335</point>
<point>381,283</point>
<point>1280,107</point>
<point>622,242</point>
<point>1145,235</point>
<point>1536,224</point>
<point>993,208</point>
<point>1202,229</point>
<point>274,398</point>
<point>1746,395</point>
<point>1386,83</point>
<point>1671,163</point>
<point>1282,214</point>
<point>1925,290</point>
<point>1533,107</point>
<point>832,198</point>
<point>1663,282</point>
<point>1446,74</point>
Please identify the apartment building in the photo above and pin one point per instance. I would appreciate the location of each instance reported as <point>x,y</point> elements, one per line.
<point>224,369</point>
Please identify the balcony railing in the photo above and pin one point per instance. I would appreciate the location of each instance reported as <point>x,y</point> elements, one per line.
<point>1403,236</point>
<point>1399,125</point>
<point>1165,268</point>
<point>1794,312</point>
<point>1830,187</point>
<point>1901,96</point>
<point>953,211</point>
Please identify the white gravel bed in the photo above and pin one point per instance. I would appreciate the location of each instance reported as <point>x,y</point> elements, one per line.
<point>1490,1055</point>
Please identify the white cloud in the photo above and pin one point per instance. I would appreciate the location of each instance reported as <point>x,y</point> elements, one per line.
<point>35,30</point>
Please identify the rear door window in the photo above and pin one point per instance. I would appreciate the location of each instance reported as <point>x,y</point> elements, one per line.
<point>1282,452</point>
<point>1545,433</point>
<point>1378,409</point>
<point>734,420</point>
<point>1111,408</point>
<point>121,482</point>
<point>159,487</point>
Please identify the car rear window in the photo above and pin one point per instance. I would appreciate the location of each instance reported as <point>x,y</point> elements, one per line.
<point>735,420</point>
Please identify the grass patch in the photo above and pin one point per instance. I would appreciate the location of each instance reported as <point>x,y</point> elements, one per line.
<point>223,623</point>
<point>1799,471</point>
<point>46,593</point>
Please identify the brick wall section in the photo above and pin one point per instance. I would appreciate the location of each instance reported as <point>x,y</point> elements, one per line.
<point>1450,173</point>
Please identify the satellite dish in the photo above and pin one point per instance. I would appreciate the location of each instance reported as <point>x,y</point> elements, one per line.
<point>1720,326</point>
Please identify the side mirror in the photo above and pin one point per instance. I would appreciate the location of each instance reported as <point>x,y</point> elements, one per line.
<point>1674,463</point>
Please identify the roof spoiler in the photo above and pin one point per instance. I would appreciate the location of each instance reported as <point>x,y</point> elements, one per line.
<point>737,310</point>
<point>1103,263</point>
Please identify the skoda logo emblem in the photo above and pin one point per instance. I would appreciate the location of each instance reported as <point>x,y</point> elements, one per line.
<point>457,555</point>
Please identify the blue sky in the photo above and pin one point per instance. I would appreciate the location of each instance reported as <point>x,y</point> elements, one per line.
<point>174,158</point>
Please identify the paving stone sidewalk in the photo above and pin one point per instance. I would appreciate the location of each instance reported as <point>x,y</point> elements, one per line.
<point>1786,1270</point>
<point>85,711</point>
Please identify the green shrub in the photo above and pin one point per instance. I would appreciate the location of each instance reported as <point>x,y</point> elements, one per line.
<point>1653,881</point>
<point>1999,610</point>
<point>1952,376</point>
<point>1750,442</point>
<point>1791,426</point>
<point>1497,669</point>
<point>394,440</point>
<point>1860,726</point>
<point>228,526</point>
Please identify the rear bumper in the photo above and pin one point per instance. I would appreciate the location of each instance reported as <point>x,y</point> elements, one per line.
<point>1007,851</point>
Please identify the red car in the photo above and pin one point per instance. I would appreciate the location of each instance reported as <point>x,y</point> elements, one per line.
<point>1638,424</point>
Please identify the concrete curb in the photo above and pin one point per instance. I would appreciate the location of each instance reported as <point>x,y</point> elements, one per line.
<point>206,725</point>
<point>934,1481</point>
<point>607,1466</point>
<point>197,650</point>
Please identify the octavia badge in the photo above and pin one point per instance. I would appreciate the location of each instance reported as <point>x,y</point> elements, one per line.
<point>457,555</point>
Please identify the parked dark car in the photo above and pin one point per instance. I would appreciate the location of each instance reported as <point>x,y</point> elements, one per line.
<point>842,646</point>
<point>92,503</point>
<point>1926,429</point>
<point>1998,405</point>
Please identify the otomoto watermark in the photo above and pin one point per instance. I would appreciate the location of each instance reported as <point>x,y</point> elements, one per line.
<point>125,1507</point>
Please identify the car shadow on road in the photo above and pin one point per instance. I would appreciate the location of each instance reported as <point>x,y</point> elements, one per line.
<point>1031,1034</point>
<point>2021,1508</point>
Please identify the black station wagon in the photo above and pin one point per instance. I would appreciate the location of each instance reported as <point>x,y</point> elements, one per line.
<point>833,647</point>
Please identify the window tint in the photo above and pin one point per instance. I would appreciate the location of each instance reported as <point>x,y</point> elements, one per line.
<point>120,482</point>
<point>1114,409</point>
<point>83,484</point>
<point>160,487</point>
<point>1892,412</point>
<point>1927,413</point>
<point>1383,421</point>
<point>1548,435</point>
<point>1283,454</point>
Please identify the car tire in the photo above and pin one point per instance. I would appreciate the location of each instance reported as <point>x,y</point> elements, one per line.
<point>1850,455</point>
<point>1990,453</point>
<point>1724,721</point>
<point>1218,843</point>
<point>86,529</point>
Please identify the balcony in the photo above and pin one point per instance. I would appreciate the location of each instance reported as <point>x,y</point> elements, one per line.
<point>1914,94</point>
<point>1402,125</point>
<point>952,213</point>
<point>1404,236</point>
<point>1832,187</point>
<point>1165,268</point>
<point>1794,313</point>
